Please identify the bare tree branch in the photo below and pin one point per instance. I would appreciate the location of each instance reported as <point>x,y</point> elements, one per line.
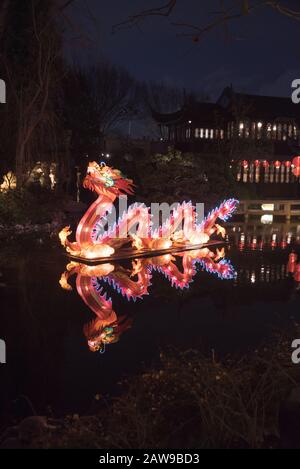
<point>222,18</point>
<point>164,10</point>
<point>65,5</point>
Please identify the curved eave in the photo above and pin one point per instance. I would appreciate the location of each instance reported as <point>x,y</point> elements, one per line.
<point>200,117</point>
<point>172,118</point>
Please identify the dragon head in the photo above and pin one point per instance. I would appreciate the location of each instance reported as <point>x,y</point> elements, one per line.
<point>98,335</point>
<point>106,180</point>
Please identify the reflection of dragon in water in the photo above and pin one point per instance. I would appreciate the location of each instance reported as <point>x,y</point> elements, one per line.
<point>109,184</point>
<point>132,284</point>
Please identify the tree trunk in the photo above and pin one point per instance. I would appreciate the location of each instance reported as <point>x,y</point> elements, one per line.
<point>20,160</point>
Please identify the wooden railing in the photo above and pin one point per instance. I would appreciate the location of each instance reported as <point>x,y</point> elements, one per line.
<point>286,208</point>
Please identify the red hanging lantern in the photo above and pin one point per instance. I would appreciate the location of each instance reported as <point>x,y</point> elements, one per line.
<point>296,171</point>
<point>256,163</point>
<point>296,161</point>
<point>277,164</point>
<point>297,273</point>
<point>287,164</point>
<point>292,262</point>
<point>245,164</point>
<point>296,164</point>
<point>265,164</point>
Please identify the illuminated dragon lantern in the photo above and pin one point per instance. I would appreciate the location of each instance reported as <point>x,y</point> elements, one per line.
<point>109,184</point>
<point>134,284</point>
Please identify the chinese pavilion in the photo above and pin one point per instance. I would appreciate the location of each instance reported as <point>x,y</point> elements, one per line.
<point>260,135</point>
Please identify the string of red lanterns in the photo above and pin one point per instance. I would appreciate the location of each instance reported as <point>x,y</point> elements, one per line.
<point>295,164</point>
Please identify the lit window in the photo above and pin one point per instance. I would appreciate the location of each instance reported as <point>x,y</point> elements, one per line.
<point>211,133</point>
<point>266,219</point>
<point>239,172</point>
<point>232,129</point>
<point>241,129</point>
<point>279,132</point>
<point>228,130</point>
<point>284,131</point>
<point>247,130</point>
<point>259,129</point>
<point>201,133</point>
<point>267,207</point>
<point>206,133</point>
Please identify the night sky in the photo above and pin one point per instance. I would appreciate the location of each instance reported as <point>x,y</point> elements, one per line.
<point>262,56</point>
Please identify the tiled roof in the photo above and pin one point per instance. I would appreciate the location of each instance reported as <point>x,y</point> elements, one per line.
<point>267,108</point>
<point>261,107</point>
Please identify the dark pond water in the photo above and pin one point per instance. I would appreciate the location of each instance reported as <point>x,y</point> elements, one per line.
<point>229,307</point>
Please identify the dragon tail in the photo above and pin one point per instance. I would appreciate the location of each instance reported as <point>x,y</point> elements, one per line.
<point>224,212</point>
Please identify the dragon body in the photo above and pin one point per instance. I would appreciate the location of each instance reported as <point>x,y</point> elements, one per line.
<point>134,227</point>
